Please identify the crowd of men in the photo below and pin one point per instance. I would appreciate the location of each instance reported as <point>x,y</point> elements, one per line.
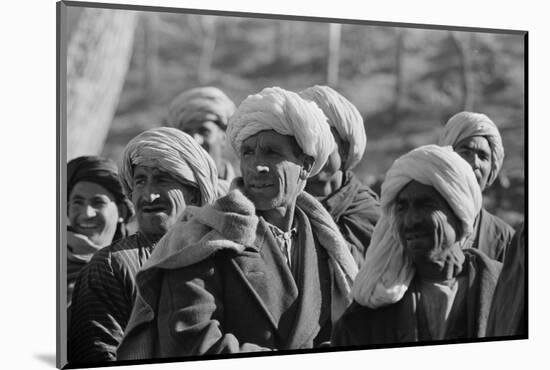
<point>295,252</point>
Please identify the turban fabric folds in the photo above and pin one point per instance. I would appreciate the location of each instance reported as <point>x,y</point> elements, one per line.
<point>464,125</point>
<point>100,171</point>
<point>387,271</point>
<point>176,153</point>
<point>201,103</point>
<point>286,113</point>
<point>344,117</point>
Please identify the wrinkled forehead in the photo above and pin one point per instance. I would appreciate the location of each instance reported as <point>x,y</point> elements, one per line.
<point>415,191</point>
<point>151,170</point>
<point>477,142</point>
<point>271,139</point>
<point>200,119</point>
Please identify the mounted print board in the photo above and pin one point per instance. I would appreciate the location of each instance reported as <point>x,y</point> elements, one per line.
<point>120,70</point>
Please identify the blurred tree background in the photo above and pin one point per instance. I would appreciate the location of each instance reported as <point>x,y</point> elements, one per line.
<point>406,82</point>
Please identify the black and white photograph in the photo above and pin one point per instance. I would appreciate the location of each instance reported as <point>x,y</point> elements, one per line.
<point>238,184</point>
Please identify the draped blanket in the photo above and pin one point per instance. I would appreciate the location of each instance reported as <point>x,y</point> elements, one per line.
<point>230,224</point>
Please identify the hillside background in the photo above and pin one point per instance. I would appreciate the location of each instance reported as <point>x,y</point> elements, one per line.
<point>406,82</point>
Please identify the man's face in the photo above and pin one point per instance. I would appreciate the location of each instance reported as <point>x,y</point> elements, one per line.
<point>208,134</point>
<point>426,224</point>
<point>316,185</point>
<point>477,152</point>
<point>93,212</point>
<point>273,171</point>
<point>159,199</point>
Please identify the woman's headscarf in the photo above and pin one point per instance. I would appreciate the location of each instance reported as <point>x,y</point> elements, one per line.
<point>176,153</point>
<point>286,113</point>
<point>344,117</point>
<point>201,103</point>
<point>387,271</point>
<point>100,171</point>
<point>103,172</point>
<point>468,124</point>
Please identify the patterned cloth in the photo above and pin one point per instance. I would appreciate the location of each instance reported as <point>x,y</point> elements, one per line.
<point>103,298</point>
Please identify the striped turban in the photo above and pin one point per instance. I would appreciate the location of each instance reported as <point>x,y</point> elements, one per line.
<point>200,104</point>
<point>464,125</point>
<point>176,153</point>
<point>388,270</point>
<point>286,113</point>
<point>344,117</point>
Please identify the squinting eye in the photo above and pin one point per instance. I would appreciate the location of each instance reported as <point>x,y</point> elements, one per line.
<point>99,203</point>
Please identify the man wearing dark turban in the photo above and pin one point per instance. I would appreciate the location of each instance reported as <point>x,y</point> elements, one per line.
<point>97,211</point>
<point>203,113</point>
<point>477,139</point>
<point>353,205</point>
<point>163,171</point>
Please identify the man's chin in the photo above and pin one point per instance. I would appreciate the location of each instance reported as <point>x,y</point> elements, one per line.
<point>154,223</point>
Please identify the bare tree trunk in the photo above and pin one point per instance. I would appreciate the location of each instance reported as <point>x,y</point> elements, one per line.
<point>208,45</point>
<point>150,53</point>
<point>335,31</point>
<point>463,48</point>
<point>399,87</point>
<point>98,56</point>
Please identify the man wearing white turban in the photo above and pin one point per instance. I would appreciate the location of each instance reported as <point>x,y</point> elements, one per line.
<point>477,139</point>
<point>418,283</point>
<point>163,171</point>
<point>265,267</point>
<point>203,113</point>
<point>353,206</point>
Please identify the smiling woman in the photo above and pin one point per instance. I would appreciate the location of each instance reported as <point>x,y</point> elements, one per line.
<point>93,213</point>
<point>97,211</point>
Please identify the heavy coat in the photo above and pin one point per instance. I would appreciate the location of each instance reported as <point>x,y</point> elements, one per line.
<point>491,235</point>
<point>355,208</point>
<point>508,314</point>
<point>398,322</point>
<point>241,295</point>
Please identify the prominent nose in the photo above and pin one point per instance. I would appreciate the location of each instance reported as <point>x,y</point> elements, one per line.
<point>151,192</point>
<point>476,162</point>
<point>259,164</point>
<point>90,211</point>
<point>411,218</point>
<point>198,138</point>
<point>261,168</point>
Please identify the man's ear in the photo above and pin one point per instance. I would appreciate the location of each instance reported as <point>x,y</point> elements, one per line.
<point>122,212</point>
<point>195,198</point>
<point>306,167</point>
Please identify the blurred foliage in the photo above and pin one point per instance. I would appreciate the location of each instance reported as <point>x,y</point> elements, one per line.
<point>252,53</point>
